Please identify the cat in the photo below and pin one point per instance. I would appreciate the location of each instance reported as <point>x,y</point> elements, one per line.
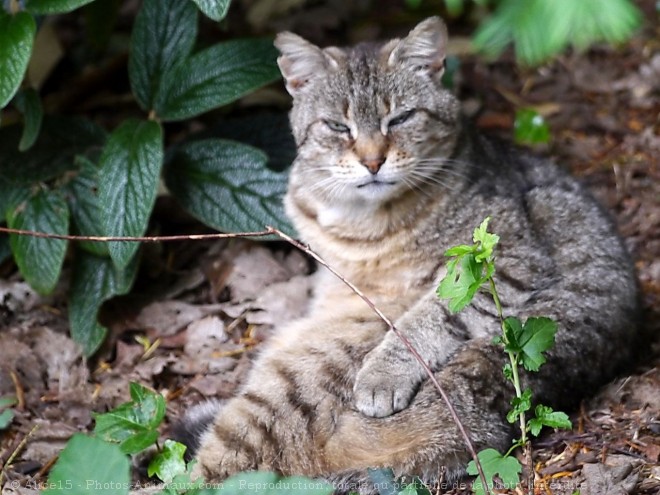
<point>388,175</point>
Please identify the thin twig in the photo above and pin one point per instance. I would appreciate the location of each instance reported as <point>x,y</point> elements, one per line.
<point>164,238</point>
<point>273,231</point>
<point>16,451</point>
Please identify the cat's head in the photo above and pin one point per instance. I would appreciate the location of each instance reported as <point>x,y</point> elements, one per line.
<point>371,122</point>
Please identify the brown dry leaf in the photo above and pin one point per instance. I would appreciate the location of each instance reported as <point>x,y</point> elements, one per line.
<point>168,317</point>
<point>604,480</point>
<point>47,441</point>
<point>253,269</point>
<point>281,302</point>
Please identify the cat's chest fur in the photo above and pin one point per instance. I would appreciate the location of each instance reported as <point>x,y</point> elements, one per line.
<point>389,265</point>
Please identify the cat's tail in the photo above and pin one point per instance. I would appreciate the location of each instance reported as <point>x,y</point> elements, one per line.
<point>190,428</point>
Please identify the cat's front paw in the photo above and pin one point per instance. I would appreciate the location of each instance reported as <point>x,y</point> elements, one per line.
<point>382,388</point>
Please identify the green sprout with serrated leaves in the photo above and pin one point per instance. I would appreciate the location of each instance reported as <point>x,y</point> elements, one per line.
<point>470,269</point>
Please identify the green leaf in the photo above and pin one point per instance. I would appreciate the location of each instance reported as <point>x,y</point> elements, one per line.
<point>83,199</point>
<point>545,416</point>
<point>40,260</point>
<point>541,29</point>
<point>16,40</point>
<point>537,337</point>
<point>6,418</point>
<point>100,21</point>
<point>90,466</point>
<point>270,132</point>
<point>217,76</point>
<point>513,329</point>
<point>215,9</point>
<point>485,242</point>
<point>519,405</point>
<point>507,371</point>
<point>133,425</point>
<point>60,140</point>
<point>413,4</point>
<point>128,182</point>
<point>454,7</point>
<point>53,6</point>
<point>495,464</point>
<point>183,481</point>
<point>94,281</point>
<point>169,462</point>
<point>530,127</point>
<point>383,479</point>
<point>163,37</point>
<point>29,104</point>
<point>227,186</point>
<point>462,281</point>
<point>460,250</point>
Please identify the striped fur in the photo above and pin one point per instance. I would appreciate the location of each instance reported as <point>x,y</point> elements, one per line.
<point>387,177</point>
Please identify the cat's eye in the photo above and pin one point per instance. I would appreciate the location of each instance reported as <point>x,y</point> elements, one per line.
<point>337,126</point>
<point>401,118</point>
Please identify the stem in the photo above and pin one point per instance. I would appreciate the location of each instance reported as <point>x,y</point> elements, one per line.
<point>498,304</point>
<point>513,359</point>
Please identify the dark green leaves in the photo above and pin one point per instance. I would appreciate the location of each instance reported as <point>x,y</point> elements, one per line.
<point>227,186</point>
<point>165,77</point>
<point>217,76</point>
<point>83,199</point>
<point>60,140</point>
<point>133,425</point>
<point>90,466</point>
<point>163,37</point>
<point>53,6</point>
<point>215,9</point>
<point>529,341</point>
<point>470,268</point>
<point>16,39</point>
<point>530,127</point>
<point>29,104</point>
<point>128,182</point>
<point>495,464</point>
<point>40,260</point>
<point>95,279</point>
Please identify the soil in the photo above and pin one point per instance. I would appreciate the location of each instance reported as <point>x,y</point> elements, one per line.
<point>199,310</point>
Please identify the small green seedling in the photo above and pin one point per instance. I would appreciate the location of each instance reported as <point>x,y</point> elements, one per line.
<point>470,269</point>
<point>6,411</point>
<point>133,425</point>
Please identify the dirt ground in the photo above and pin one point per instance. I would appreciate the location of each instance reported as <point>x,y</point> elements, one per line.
<point>200,309</point>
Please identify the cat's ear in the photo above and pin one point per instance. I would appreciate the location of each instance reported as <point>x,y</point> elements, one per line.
<point>424,49</point>
<point>301,61</point>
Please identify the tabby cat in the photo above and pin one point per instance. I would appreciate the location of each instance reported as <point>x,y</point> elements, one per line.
<point>388,175</point>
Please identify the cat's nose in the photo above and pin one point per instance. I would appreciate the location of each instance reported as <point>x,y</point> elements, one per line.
<point>373,164</point>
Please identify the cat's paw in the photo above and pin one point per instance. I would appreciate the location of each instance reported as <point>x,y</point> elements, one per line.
<point>382,389</point>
